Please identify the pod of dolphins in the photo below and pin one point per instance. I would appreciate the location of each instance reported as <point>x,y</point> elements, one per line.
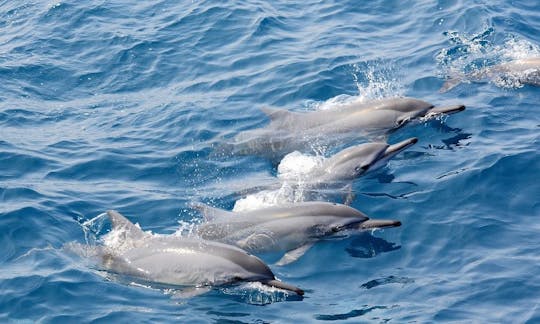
<point>222,252</point>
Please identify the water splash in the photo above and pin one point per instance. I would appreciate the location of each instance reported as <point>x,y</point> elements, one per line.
<point>374,80</point>
<point>293,174</point>
<point>94,227</point>
<point>472,55</point>
<point>187,228</point>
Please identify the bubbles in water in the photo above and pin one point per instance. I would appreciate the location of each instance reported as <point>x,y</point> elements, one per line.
<point>257,294</point>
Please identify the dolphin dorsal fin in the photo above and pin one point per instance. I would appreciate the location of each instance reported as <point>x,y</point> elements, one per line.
<point>120,222</point>
<point>211,213</point>
<point>275,113</point>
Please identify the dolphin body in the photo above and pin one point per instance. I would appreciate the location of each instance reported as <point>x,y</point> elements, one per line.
<point>178,261</point>
<point>289,131</point>
<point>521,71</point>
<point>291,227</point>
<point>333,176</point>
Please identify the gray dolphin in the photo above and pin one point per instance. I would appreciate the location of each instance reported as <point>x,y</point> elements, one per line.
<point>290,131</point>
<point>336,173</point>
<point>355,161</point>
<point>520,71</point>
<point>173,260</point>
<point>291,227</point>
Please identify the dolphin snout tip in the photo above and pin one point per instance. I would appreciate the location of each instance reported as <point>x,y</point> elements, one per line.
<point>281,285</point>
<point>446,109</point>
<point>380,223</point>
<point>414,140</point>
<point>454,109</point>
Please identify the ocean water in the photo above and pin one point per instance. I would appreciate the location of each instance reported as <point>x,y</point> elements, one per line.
<point>119,105</point>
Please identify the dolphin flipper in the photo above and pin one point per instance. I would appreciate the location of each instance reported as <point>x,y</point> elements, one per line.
<point>294,255</point>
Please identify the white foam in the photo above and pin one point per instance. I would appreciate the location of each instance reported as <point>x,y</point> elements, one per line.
<point>266,198</point>
<point>293,172</point>
<point>296,165</point>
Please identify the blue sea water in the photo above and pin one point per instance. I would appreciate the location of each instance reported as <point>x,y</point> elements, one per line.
<point>118,104</point>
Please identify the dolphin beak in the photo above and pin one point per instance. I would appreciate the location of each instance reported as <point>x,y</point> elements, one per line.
<point>398,147</point>
<point>281,285</point>
<point>446,110</point>
<point>379,223</point>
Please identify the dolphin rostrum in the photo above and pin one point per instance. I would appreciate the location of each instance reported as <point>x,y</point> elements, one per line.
<point>289,131</point>
<point>291,227</point>
<point>180,261</point>
<point>517,72</point>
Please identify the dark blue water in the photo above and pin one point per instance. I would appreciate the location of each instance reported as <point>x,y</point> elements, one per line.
<point>116,104</point>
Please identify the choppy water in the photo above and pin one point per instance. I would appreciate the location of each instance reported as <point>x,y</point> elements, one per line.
<point>116,104</point>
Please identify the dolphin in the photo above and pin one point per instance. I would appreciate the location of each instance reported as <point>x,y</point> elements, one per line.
<point>520,71</point>
<point>290,227</point>
<point>357,160</point>
<point>289,131</point>
<point>180,261</point>
<point>328,177</point>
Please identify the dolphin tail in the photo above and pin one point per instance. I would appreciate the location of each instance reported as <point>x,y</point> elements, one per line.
<point>281,285</point>
<point>379,223</point>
